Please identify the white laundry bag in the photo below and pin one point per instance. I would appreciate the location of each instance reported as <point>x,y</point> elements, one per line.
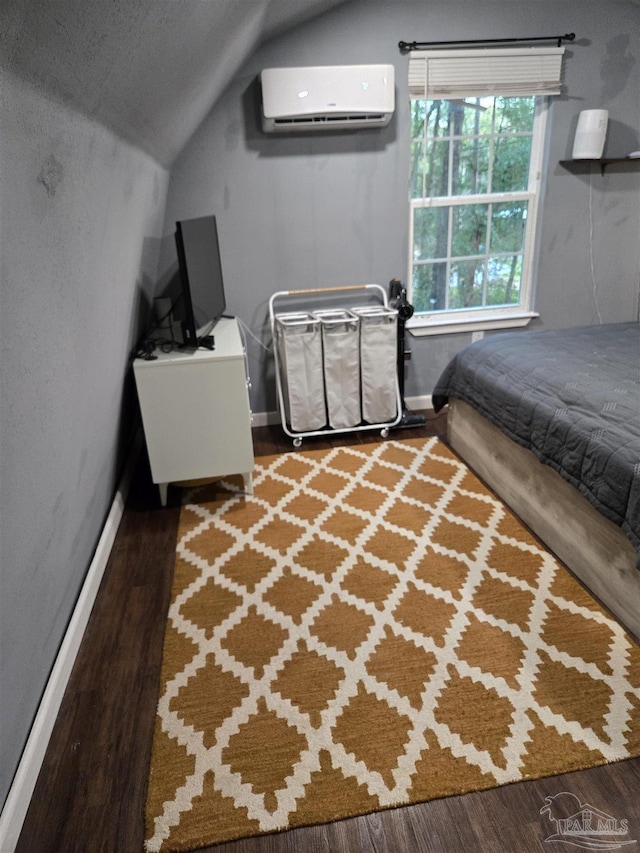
<point>378,363</point>
<point>299,342</point>
<point>341,365</point>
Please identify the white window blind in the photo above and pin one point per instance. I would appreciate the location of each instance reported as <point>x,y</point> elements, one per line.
<point>451,74</point>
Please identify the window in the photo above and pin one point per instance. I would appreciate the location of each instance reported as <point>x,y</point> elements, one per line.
<point>474,187</point>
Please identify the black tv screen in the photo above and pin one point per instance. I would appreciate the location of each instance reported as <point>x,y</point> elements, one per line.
<point>201,278</point>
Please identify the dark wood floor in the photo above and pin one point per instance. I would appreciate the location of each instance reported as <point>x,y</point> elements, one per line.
<point>91,791</point>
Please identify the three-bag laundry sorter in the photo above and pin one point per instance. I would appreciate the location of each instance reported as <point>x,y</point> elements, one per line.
<point>335,365</point>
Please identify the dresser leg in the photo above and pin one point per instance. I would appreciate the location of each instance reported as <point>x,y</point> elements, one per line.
<point>162,487</point>
<point>248,483</point>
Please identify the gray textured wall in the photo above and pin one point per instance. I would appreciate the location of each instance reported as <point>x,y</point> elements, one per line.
<point>81,218</point>
<point>148,70</point>
<point>307,211</point>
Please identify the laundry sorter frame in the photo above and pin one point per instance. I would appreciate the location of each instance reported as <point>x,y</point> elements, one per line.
<point>377,297</point>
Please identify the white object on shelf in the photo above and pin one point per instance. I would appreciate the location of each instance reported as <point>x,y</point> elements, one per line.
<point>591,130</point>
<point>195,411</point>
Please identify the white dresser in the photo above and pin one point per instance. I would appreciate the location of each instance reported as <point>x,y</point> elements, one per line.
<point>195,411</point>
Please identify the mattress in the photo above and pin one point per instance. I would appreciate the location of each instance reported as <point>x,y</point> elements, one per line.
<point>571,397</point>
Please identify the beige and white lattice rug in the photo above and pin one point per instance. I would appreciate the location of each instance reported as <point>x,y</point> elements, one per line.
<point>371,628</point>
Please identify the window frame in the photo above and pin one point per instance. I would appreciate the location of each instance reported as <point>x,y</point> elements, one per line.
<point>493,316</point>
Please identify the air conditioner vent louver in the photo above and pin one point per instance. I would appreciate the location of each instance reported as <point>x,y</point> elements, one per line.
<point>314,120</point>
<point>327,97</point>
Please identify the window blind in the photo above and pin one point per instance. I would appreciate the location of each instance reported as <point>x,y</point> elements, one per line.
<point>450,74</point>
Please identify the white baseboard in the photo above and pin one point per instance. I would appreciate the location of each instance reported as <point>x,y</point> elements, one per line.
<point>24,781</point>
<point>260,419</point>
<point>418,403</point>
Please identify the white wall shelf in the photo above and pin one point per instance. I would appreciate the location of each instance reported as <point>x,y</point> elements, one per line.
<point>580,166</point>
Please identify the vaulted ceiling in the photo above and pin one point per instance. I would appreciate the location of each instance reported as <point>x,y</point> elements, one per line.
<point>150,70</point>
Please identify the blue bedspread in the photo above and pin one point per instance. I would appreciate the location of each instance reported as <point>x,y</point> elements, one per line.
<point>572,397</point>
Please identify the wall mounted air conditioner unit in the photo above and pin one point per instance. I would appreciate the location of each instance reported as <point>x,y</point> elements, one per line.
<point>329,97</point>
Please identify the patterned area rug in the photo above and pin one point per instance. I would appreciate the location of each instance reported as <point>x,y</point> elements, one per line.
<point>371,628</point>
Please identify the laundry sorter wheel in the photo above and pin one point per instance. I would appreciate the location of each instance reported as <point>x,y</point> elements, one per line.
<point>297,441</point>
<point>384,432</point>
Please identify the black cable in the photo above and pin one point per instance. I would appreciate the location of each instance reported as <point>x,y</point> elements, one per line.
<point>150,343</point>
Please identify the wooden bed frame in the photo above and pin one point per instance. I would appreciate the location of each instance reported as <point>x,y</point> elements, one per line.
<point>591,546</point>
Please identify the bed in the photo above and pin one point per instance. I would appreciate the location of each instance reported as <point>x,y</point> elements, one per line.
<point>551,421</point>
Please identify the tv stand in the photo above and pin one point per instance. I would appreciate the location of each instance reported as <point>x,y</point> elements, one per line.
<point>195,412</point>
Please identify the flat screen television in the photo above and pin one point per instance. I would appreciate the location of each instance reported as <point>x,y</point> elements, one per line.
<point>200,267</point>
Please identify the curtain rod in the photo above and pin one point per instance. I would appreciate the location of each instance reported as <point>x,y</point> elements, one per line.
<point>421,45</point>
